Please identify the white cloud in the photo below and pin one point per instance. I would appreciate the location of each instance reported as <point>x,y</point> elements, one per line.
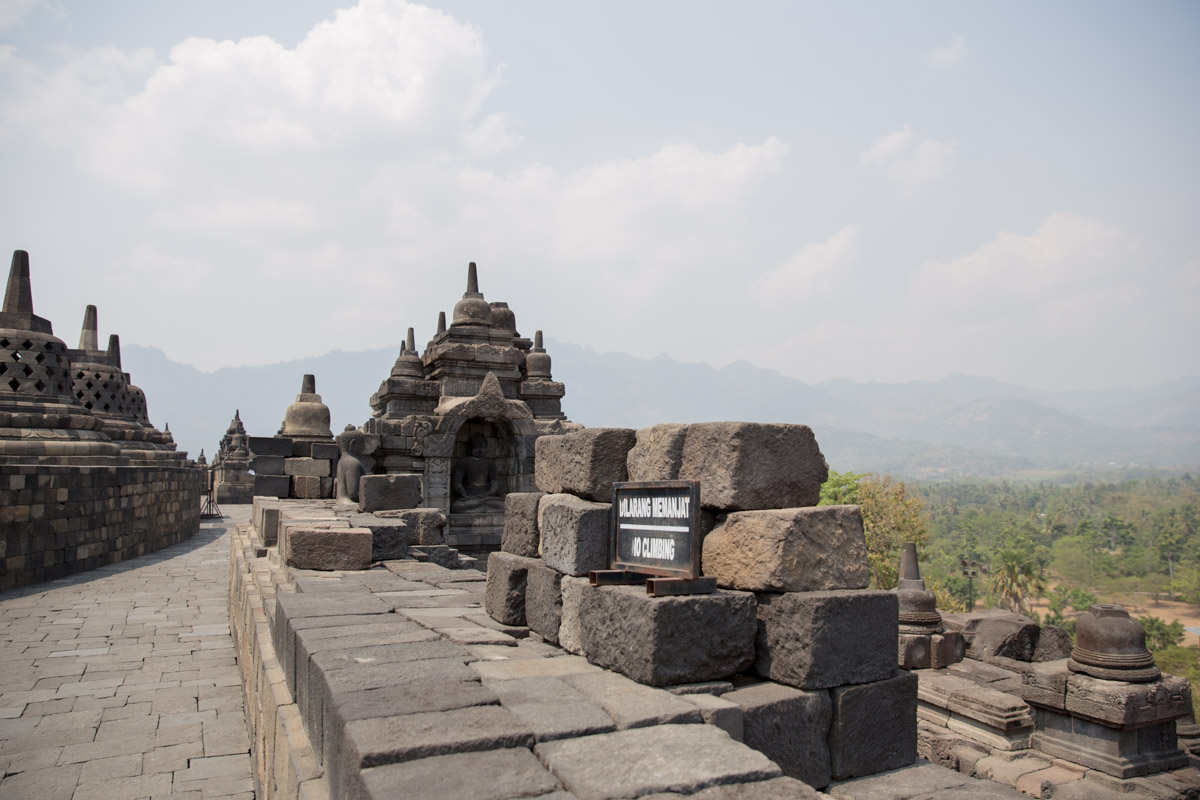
<point>344,183</point>
<point>14,12</point>
<point>948,55</point>
<point>909,160</point>
<point>813,268</point>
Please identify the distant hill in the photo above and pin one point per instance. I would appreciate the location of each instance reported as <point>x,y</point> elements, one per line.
<point>960,426</point>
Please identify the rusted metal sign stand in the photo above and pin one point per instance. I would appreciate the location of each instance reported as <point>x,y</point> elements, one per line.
<point>655,539</point>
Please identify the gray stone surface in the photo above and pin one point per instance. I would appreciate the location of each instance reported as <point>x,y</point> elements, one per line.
<point>1128,704</point>
<point>389,537</point>
<point>552,708</point>
<point>272,485</point>
<point>388,492</point>
<point>718,711</point>
<point>663,641</point>
<point>543,601</point>
<point>114,680</point>
<point>740,465</point>
<point>491,775</point>
<point>584,463</point>
<point>874,727</point>
<point>1053,643</point>
<point>789,726</point>
<point>270,446</point>
<point>267,465</point>
<point>657,453</point>
<point>633,763</point>
<point>328,549</point>
<point>570,630</point>
<point>630,704</point>
<point>575,533</point>
<point>308,467</point>
<point>507,577</point>
<point>426,526</point>
<point>521,536</point>
<point>817,640</point>
<point>390,740</point>
<point>789,550</point>
<point>775,789</point>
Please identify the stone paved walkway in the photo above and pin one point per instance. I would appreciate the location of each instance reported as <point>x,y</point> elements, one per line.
<point>121,683</point>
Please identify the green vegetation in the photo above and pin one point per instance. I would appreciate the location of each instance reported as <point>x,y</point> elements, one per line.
<point>892,515</point>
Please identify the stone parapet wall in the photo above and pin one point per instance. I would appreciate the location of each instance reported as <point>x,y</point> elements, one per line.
<point>58,519</point>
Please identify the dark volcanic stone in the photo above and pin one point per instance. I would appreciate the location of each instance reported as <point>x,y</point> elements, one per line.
<point>663,641</point>
<point>491,775</point>
<point>874,727</point>
<point>788,726</point>
<point>817,640</point>
<point>504,597</point>
<point>583,463</point>
<point>521,537</point>
<point>543,601</point>
<point>575,533</point>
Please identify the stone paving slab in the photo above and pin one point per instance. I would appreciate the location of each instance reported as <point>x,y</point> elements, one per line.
<point>121,682</point>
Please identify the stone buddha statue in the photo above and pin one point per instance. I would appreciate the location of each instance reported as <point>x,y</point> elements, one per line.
<point>474,485</point>
<point>350,466</point>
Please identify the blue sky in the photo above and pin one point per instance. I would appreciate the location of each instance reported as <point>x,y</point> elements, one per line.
<point>851,190</point>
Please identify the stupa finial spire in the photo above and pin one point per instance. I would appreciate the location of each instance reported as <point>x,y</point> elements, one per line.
<point>410,342</point>
<point>909,568</point>
<point>472,279</point>
<point>18,296</point>
<point>441,328</point>
<point>89,339</point>
<point>114,349</point>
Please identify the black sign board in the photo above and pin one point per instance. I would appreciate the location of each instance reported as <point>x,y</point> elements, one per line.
<point>655,528</point>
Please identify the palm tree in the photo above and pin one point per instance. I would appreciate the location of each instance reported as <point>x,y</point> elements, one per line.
<point>1015,576</point>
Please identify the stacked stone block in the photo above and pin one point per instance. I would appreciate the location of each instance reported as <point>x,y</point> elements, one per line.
<point>298,468</point>
<point>57,520</point>
<point>792,621</point>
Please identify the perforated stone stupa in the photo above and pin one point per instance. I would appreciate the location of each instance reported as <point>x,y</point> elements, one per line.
<point>464,416</point>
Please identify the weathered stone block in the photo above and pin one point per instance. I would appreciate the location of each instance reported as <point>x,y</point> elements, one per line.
<point>386,492</point>
<point>946,649</point>
<point>309,487</point>
<point>552,708</point>
<point>1053,643</point>
<point>817,640</point>
<point>740,465</point>
<point>307,467</point>
<point>874,727</point>
<point>570,629</point>
<point>1128,704</point>
<point>328,548</point>
<point>504,598</point>
<point>788,726</point>
<point>327,450</point>
<point>630,704</point>
<point>267,465</point>
<point>1120,752</point>
<point>915,651</point>
<point>272,485</point>
<point>575,532</point>
<point>657,452</point>
<point>270,446</point>
<point>543,601</point>
<point>426,526</point>
<point>509,772</point>
<point>521,536</point>
<point>584,463</point>
<point>789,550</point>
<point>389,537</point>
<point>662,641</point>
<point>634,763</point>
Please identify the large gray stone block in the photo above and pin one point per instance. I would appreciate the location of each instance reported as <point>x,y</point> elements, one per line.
<point>270,446</point>
<point>575,532</point>
<point>788,726</point>
<point>553,709</point>
<point>634,763</point>
<point>630,704</point>
<point>307,467</point>
<point>521,536</point>
<point>874,727</point>
<point>386,492</point>
<point>817,640</point>
<point>658,452</point>
<point>267,465</point>
<point>272,485</point>
<point>489,775</point>
<point>426,526</point>
<point>584,463</point>
<point>327,548</point>
<point>389,537</point>
<point>789,550</point>
<point>663,641</point>
<point>507,577</point>
<point>570,629</point>
<point>740,465</point>
<point>543,601</point>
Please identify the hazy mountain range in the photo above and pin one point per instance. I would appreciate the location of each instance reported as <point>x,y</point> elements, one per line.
<point>956,427</point>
